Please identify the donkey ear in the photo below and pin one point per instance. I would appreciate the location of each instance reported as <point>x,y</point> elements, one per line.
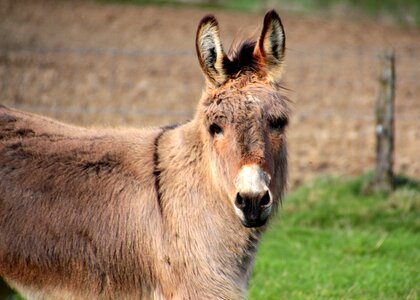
<point>270,47</point>
<point>209,50</point>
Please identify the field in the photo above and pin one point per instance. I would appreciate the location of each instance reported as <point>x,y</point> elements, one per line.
<point>116,65</point>
<point>105,64</point>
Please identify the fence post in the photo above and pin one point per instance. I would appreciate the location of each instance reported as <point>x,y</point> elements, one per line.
<point>384,177</point>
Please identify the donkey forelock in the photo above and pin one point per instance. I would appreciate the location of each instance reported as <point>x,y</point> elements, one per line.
<point>246,104</point>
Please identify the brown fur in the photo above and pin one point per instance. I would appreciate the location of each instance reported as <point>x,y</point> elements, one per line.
<point>133,213</point>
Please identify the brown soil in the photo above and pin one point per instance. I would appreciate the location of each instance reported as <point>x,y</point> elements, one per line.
<point>95,64</point>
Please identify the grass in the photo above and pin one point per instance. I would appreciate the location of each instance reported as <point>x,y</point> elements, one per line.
<point>403,11</point>
<point>238,5</point>
<point>406,12</point>
<point>332,241</point>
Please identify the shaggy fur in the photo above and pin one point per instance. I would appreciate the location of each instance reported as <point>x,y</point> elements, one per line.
<point>133,213</point>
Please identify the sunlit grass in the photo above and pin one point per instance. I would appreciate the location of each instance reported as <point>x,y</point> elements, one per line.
<point>406,12</point>
<point>332,241</point>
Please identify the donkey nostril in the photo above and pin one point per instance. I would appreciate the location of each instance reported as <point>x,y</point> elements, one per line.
<point>265,200</point>
<point>239,202</point>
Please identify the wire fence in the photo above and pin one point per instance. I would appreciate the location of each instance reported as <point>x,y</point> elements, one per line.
<point>333,92</point>
<point>357,55</point>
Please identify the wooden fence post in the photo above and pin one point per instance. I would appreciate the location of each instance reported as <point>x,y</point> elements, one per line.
<point>384,177</point>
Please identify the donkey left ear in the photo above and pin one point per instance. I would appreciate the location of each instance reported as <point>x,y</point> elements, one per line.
<point>270,47</point>
<point>210,52</point>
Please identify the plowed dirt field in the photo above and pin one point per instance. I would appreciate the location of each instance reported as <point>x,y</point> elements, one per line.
<point>121,65</point>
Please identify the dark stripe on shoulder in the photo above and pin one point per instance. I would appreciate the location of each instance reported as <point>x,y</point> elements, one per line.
<point>156,170</point>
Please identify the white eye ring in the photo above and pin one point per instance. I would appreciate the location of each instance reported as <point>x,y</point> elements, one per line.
<point>215,130</point>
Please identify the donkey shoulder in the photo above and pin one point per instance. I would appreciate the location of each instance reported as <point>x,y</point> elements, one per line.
<point>91,187</point>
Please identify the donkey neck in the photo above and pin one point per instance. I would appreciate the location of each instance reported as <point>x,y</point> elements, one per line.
<point>183,173</point>
<point>199,222</point>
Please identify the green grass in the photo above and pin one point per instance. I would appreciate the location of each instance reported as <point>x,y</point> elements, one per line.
<point>332,241</point>
<point>238,5</point>
<point>406,12</point>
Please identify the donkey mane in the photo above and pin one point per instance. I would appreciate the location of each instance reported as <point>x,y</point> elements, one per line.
<point>241,59</point>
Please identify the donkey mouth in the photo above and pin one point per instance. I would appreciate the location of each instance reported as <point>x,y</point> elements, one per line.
<point>254,223</point>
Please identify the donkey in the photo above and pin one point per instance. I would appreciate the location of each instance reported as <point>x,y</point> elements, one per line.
<point>165,213</point>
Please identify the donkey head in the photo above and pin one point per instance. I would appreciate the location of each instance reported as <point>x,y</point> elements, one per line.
<point>243,117</point>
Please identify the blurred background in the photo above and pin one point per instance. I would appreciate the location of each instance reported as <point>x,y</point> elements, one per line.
<point>133,63</point>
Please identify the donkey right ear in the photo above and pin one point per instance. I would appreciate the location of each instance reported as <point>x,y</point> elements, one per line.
<point>270,47</point>
<point>210,52</point>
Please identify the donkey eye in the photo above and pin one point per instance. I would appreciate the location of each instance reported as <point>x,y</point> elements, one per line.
<point>278,124</point>
<point>215,129</point>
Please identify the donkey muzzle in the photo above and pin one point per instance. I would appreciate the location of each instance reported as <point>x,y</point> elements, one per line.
<point>255,210</point>
<point>253,201</point>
